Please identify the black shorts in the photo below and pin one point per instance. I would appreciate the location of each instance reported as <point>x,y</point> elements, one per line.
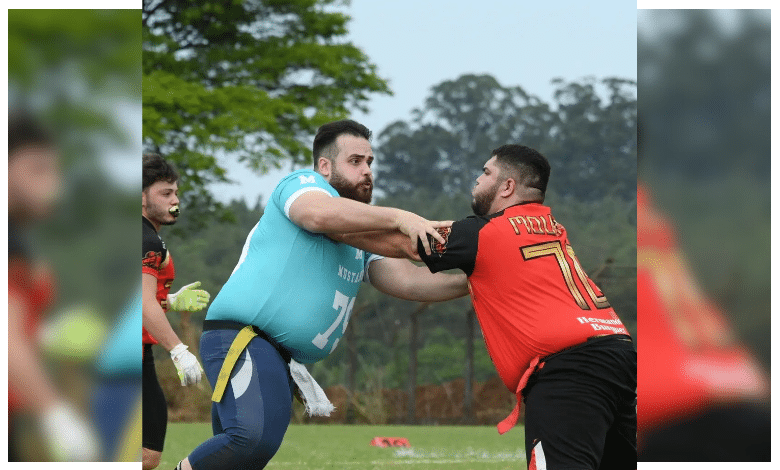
<point>581,408</point>
<point>736,433</point>
<point>155,409</point>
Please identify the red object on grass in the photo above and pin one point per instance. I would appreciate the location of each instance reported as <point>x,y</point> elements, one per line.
<point>390,442</point>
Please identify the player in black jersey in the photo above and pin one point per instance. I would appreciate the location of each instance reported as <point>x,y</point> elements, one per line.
<point>160,207</point>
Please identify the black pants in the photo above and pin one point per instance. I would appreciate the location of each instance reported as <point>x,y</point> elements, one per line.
<point>155,409</point>
<point>581,408</point>
<point>737,433</point>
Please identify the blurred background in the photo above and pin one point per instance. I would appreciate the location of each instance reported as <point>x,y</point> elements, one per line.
<point>704,101</point>
<point>704,226</point>
<point>77,74</point>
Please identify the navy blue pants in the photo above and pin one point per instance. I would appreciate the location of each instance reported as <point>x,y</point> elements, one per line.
<point>250,421</point>
<point>114,405</point>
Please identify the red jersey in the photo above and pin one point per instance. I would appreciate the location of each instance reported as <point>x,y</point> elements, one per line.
<point>690,356</point>
<point>530,294</point>
<point>158,262</point>
<point>33,286</point>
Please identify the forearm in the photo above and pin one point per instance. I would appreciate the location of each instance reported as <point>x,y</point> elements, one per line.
<point>156,323</point>
<point>25,370</point>
<point>429,287</point>
<point>389,243</point>
<point>403,279</point>
<point>343,215</point>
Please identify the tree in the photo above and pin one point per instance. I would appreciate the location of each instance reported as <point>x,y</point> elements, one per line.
<point>250,78</point>
<point>706,92</point>
<point>591,144</point>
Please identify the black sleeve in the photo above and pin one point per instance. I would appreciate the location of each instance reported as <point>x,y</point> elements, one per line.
<point>153,249</point>
<point>459,249</point>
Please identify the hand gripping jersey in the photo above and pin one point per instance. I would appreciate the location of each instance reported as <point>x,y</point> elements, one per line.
<point>296,286</point>
<point>530,294</point>
<point>690,358</point>
<point>158,262</point>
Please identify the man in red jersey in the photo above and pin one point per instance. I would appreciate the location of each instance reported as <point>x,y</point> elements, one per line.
<point>34,187</point>
<point>700,389</point>
<point>702,394</point>
<point>160,207</point>
<point>552,335</point>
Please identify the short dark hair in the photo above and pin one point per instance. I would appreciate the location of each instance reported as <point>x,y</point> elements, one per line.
<point>156,168</point>
<point>325,140</point>
<point>527,166</point>
<point>26,131</point>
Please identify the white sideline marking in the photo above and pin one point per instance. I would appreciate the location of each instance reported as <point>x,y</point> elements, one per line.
<point>410,456</point>
<point>401,462</point>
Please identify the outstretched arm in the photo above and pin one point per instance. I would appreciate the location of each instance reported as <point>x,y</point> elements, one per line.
<point>389,243</point>
<point>317,212</point>
<point>403,279</point>
<point>154,319</point>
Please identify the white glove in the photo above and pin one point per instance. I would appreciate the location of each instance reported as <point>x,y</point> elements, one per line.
<point>187,365</point>
<point>314,398</point>
<point>68,435</point>
<point>189,298</point>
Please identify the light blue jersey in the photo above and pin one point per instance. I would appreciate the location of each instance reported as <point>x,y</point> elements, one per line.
<point>297,286</point>
<point>121,354</point>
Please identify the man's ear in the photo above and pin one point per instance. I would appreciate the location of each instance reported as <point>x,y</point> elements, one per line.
<point>324,167</point>
<point>143,198</point>
<point>508,188</point>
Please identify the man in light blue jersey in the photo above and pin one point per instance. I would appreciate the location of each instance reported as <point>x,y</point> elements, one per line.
<point>293,289</point>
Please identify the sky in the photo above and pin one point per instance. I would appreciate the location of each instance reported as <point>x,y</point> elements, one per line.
<point>418,44</point>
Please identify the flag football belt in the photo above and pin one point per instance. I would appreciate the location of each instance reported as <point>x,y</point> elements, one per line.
<point>245,335</point>
<point>538,362</point>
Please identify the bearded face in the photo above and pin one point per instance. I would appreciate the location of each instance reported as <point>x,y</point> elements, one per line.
<point>483,199</point>
<point>360,191</point>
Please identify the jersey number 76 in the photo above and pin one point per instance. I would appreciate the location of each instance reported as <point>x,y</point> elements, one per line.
<point>343,305</point>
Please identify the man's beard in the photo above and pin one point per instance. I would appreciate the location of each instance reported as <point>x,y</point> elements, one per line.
<point>159,215</point>
<point>482,201</point>
<point>357,192</point>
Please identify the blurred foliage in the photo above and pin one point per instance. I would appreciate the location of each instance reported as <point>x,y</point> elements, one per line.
<point>251,78</point>
<point>705,105</point>
<point>64,67</point>
<point>594,199</point>
<point>70,68</point>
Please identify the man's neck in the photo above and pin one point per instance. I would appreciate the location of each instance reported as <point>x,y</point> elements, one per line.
<point>155,225</point>
<point>506,203</point>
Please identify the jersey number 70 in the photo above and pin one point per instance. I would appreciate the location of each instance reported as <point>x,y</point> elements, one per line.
<point>555,250</point>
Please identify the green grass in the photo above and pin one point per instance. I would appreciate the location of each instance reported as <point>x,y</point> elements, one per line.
<point>335,446</point>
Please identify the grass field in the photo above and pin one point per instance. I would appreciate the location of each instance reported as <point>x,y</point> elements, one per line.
<point>334,446</point>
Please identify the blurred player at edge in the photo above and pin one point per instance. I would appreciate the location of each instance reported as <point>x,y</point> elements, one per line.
<point>34,187</point>
<point>700,390</point>
<point>160,206</point>
<point>552,335</point>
